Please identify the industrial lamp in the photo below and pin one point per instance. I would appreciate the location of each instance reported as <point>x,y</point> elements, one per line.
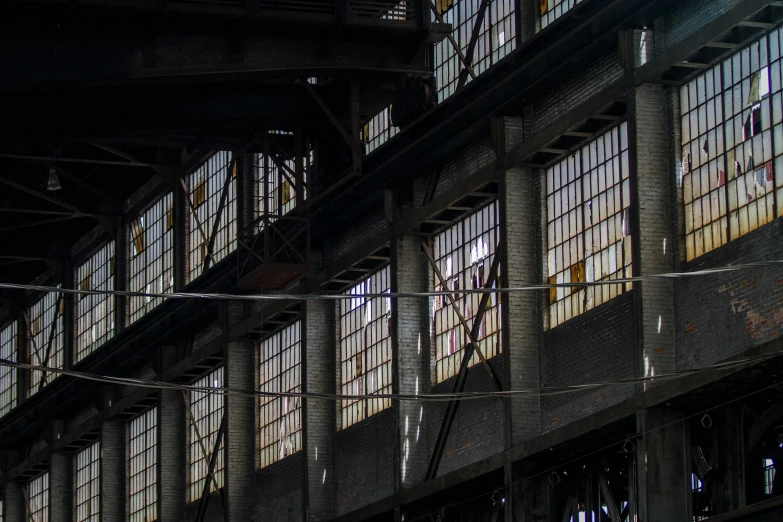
<point>54,182</point>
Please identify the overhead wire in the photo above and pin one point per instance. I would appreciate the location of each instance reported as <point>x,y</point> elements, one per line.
<point>394,295</point>
<point>427,397</point>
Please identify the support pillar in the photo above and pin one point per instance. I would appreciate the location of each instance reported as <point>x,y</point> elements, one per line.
<point>240,418</point>
<point>180,239</point>
<point>519,234</point>
<point>410,274</point>
<point>318,361</point>
<point>14,501</point>
<point>113,460</point>
<point>172,449</point>
<point>662,466</point>
<point>61,487</point>
<point>653,239</point>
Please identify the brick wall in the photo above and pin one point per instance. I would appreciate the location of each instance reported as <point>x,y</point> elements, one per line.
<point>476,155</point>
<point>171,456</point>
<point>278,492</point>
<point>719,316</point>
<point>113,473</point>
<point>477,431</point>
<point>689,16</point>
<point>61,487</point>
<point>364,462</point>
<point>594,346</point>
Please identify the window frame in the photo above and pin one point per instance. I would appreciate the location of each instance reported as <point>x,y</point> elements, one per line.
<point>140,430</point>
<point>88,307</point>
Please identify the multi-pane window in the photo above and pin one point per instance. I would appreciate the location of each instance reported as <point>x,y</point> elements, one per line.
<point>276,183</point>
<point>206,185</point>
<point>588,235</point>
<point>365,348</point>
<point>207,408</point>
<point>151,256</point>
<point>280,429</point>
<point>769,475</point>
<point>88,484</point>
<point>143,467</point>
<point>732,138</point>
<point>495,40</point>
<point>8,352</point>
<point>38,498</point>
<point>552,9</point>
<point>95,312</point>
<point>464,255</point>
<point>378,130</point>
<point>46,338</point>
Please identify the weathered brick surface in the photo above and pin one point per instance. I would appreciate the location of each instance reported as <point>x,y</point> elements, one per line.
<point>595,346</point>
<point>278,490</point>
<point>14,502</point>
<point>113,470</point>
<point>364,462</point>
<point>721,315</point>
<point>61,495</point>
<point>689,16</point>
<point>172,464</point>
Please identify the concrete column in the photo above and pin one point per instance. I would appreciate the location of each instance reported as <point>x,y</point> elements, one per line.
<point>61,491</point>
<point>411,323</point>
<point>113,459</point>
<point>663,468</point>
<point>318,363</point>
<point>14,502</point>
<point>171,456</point>
<point>653,240</point>
<point>240,428</point>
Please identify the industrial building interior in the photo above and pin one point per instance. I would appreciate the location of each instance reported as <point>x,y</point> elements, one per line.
<point>391,260</point>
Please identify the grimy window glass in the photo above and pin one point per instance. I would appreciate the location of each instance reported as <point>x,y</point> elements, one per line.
<point>365,348</point>
<point>276,182</point>
<point>550,10</point>
<point>38,497</point>
<point>280,371</point>
<point>497,38</point>
<point>464,255</point>
<point>143,467</point>
<point>378,130</point>
<point>95,312</point>
<point>151,256</point>
<point>732,142</point>
<point>88,484</point>
<point>8,351</point>
<point>207,408</point>
<point>206,186</point>
<point>46,338</point>
<point>588,235</point>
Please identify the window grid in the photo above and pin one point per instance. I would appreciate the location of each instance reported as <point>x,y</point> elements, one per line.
<point>365,348</point>
<point>732,138</point>
<point>496,39</point>
<point>275,186</point>
<point>207,411</point>
<point>554,9</point>
<point>151,256</point>
<point>88,483</point>
<point>588,235</point>
<point>48,310</point>
<point>464,255</point>
<point>206,189</point>
<point>38,498</point>
<point>95,312</point>
<point>143,467</point>
<point>769,475</point>
<point>280,426</point>
<point>379,129</point>
<point>8,343</point>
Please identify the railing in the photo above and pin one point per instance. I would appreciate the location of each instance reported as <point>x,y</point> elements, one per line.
<point>272,251</point>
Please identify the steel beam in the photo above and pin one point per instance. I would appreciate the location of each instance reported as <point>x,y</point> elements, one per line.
<point>461,379</point>
<point>454,43</point>
<point>204,500</point>
<point>54,159</point>
<point>463,74</point>
<point>210,475</point>
<point>221,206</point>
<point>41,195</point>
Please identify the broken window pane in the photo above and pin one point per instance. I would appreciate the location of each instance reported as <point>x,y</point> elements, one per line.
<point>464,255</point>
<point>280,427</point>
<point>8,351</point>
<point>595,253</point>
<point>88,484</point>
<point>365,348</point>
<point>95,312</point>
<point>46,338</point>
<point>151,268</point>
<point>207,408</point>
